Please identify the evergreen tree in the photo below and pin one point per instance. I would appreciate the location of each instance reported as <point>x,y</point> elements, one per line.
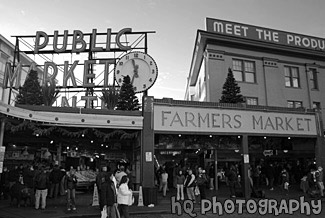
<point>231,90</point>
<point>127,100</point>
<point>31,92</point>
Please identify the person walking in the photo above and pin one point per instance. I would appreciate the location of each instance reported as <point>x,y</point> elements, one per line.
<point>124,197</point>
<point>4,184</point>
<point>190,184</point>
<point>70,185</point>
<point>285,180</point>
<point>319,180</point>
<point>164,180</point>
<point>232,180</point>
<point>201,180</point>
<point>109,197</point>
<point>100,179</point>
<point>270,173</point>
<point>41,185</point>
<point>212,175</point>
<point>120,173</point>
<point>180,179</point>
<point>55,178</point>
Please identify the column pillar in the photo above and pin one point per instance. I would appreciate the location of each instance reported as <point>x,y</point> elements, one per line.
<point>147,148</point>
<point>2,131</point>
<point>245,157</point>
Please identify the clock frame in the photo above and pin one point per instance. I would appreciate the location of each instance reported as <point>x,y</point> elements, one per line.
<point>140,67</point>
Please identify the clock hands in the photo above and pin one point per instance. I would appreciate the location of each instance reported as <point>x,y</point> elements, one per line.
<point>135,71</point>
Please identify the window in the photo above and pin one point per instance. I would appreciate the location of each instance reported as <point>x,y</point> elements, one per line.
<point>251,101</point>
<point>244,71</point>
<point>313,79</point>
<point>316,105</point>
<point>291,77</point>
<point>294,104</point>
<point>3,60</point>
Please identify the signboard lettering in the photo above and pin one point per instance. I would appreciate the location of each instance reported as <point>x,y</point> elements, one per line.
<point>264,34</point>
<point>221,120</point>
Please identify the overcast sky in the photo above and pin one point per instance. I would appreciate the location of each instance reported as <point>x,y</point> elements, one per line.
<point>175,23</point>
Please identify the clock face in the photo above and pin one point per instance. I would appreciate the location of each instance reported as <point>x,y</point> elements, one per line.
<point>140,67</point>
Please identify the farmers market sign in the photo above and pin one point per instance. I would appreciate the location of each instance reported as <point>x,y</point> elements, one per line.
<point>187,119</point>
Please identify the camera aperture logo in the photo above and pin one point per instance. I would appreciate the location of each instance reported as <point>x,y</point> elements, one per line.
<point>251,206</point>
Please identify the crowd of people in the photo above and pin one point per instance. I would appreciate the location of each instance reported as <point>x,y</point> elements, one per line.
<point>34,184</point>
<point>194,181</point>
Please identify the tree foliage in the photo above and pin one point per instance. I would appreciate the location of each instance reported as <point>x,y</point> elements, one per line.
<point>31,92</point>
<point>110,97</point>
<point>231,90</point>
<point>127,100</point>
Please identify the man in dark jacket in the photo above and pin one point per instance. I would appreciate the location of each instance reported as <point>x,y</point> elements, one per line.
<point>232,179</point>
<point>4,184</point>
<point>108,195</point>
<point>100,180</point>
<point>55,178</point>
<point>28,175</point>
<point>70,185</point>
<point>41,186</point>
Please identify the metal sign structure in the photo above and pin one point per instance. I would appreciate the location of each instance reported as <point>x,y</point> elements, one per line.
<point>79,64</point>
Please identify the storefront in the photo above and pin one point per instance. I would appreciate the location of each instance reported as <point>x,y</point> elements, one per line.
<point>191,134</point>
<point>85,139</point>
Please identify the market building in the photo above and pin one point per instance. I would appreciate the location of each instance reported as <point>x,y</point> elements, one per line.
<point>276,71</point>
<point>279,74</point>
<point>78,129</point>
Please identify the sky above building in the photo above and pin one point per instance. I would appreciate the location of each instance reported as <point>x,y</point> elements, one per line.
<point>174,21</point>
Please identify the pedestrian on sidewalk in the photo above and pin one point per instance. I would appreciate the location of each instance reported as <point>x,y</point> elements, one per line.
<point>124,197</point>
<point>319,180</point>
<point>41,185</point>
<point>100,179</point>
<point>55,178</point>
<point>4,184</point>
<point>109,197</point>
<point>70,185</point>
<point>190,184</point>
<point>180,179</point>
<point>285,180</point>
<point>232,180</point>
<point>212,175</point>
<point>164,180</point>
<point>201,180</point>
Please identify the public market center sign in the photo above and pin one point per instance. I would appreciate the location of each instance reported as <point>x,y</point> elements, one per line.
<point>216,120</point>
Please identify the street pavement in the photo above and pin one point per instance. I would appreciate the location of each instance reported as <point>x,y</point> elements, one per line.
<point>166,206</point>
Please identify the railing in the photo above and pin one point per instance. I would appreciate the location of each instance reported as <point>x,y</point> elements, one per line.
<point>242,106</point>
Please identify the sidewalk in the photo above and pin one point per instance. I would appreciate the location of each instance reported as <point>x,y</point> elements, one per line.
<point>56,208</point>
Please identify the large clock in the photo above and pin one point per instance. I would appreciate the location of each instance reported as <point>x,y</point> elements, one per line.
<point>140,67</point>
